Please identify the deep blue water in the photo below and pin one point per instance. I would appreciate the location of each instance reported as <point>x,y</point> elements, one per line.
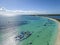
<point>19,20</point>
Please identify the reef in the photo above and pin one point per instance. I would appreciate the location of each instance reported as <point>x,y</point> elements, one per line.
<point>23,35</point>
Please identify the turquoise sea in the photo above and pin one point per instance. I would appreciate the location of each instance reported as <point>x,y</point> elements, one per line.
<point>29,30</point>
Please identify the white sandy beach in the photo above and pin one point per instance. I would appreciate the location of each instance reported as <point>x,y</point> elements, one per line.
<point>58,35</point>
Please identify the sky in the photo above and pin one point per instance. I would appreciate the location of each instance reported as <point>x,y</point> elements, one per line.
<point>48,6</point>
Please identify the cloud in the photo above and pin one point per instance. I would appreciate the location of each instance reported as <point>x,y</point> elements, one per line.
<point>7,12</point>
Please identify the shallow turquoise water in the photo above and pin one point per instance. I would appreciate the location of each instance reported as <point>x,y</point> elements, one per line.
<point>43,32</point>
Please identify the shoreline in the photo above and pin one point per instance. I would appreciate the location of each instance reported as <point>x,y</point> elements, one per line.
<point>57,42</point>
<point>58,36</point>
